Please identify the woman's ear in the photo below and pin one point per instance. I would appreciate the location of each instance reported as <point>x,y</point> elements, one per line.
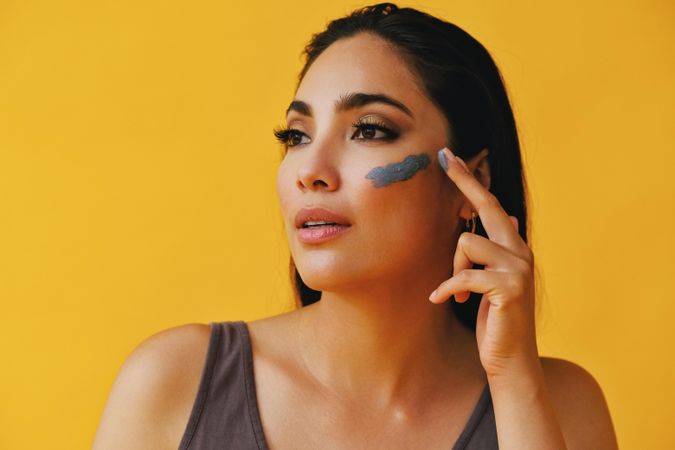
<point>479,166</point>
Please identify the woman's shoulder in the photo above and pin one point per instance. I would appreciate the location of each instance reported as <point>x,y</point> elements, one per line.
<point>174,342</point>
<point>579,403</point>
<point>174,356</point>
<point>152,396</point>
<point>563,376</point>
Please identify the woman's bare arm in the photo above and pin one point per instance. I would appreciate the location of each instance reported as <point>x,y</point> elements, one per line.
<point>152,396</point>
<point>558,397</point>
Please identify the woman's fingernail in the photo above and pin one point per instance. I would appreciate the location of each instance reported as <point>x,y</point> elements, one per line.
<point>433,294</point>
<point>443,157</point>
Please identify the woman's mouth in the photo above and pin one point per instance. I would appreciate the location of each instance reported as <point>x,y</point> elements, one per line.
<point>316,232</point>
<point>319,224</point>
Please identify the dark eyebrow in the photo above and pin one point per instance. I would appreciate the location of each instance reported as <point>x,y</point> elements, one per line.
<point>351,101</point>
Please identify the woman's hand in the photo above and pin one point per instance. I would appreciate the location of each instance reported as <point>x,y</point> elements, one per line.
<point>505,328</point>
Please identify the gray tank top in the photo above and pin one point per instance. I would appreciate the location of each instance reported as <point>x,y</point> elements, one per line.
<point>225,412</point>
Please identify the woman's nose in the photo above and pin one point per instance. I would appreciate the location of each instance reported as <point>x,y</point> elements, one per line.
<point>318,170</point>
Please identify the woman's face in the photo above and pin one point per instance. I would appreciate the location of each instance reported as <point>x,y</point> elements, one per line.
<point>402,208</point>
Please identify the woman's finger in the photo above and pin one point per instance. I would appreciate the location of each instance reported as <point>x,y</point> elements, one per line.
<point>493,217</point>
<point>476,249</point>
<point>481,281</point>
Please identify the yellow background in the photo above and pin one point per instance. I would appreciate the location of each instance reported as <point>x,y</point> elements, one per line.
<point>137,170</point>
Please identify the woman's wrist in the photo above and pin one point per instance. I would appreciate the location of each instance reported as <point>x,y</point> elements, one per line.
<point>525,373</point>
<point>524,412</point>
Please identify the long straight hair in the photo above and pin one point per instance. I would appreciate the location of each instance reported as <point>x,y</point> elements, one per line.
<point>462,80</point>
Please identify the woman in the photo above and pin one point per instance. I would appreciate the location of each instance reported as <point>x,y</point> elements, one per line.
<point>373,212</point>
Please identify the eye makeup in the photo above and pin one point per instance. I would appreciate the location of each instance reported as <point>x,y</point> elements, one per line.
<point>288,136</point>
<point>400,171</point>
<point>366,126</point>
<point>371,123</point>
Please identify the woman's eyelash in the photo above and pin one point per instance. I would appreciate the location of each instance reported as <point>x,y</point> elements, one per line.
<point>284,134</point>
<point>377,125</point>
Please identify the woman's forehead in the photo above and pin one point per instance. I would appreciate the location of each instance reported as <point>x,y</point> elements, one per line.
<point>360,63</point>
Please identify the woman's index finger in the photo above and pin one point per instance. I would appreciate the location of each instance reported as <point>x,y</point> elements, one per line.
<point>495,220</point>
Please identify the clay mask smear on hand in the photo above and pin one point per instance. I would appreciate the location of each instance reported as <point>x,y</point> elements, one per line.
<point>400,171</point>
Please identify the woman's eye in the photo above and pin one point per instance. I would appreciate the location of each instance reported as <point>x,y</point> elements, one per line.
<point>295,138</point>
<point>290,137</point>
<point>370,131</point>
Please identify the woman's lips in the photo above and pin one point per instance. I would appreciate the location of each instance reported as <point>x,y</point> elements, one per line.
<point>317,234</point>
<point>318,213</point>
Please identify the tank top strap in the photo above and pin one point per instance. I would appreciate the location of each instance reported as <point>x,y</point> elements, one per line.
<point>224,412</point>
<point>480,432</point>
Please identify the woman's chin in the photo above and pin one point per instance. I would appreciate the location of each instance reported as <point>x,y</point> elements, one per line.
<point>329,277</point>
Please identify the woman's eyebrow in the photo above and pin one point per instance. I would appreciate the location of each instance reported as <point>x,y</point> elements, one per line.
<point>351,101</point>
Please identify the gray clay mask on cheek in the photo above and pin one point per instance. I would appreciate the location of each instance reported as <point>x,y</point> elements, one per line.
<point>400,171</point>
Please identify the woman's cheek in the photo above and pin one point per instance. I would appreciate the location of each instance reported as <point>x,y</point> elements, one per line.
<point>411,165</point>
<point>393,194</point>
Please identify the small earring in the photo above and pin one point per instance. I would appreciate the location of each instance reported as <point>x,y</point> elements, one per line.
<point>473,222</point>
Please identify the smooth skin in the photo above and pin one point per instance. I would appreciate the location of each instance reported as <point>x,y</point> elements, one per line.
<point>375,363</point>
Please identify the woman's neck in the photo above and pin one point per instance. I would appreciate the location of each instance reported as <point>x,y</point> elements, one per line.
<point>388,348</point>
